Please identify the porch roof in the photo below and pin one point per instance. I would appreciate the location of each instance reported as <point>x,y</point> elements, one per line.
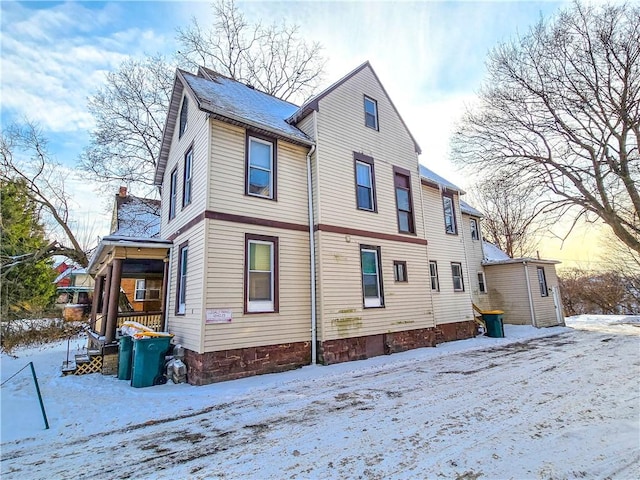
<point>98,257</point>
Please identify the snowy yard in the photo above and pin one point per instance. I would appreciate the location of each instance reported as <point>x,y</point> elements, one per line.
<point>550,403</point>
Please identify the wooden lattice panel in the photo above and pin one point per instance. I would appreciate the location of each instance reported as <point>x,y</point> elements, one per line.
<point>94,366</point>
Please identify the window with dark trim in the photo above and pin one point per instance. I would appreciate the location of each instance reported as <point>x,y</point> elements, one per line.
<point>400,271</point>
<point>482,283</point>
<point>260,168</point>
<point>404,202</point>
<point>188,167</point>
<point>370,113</point>
<point>181,283</point>
<point>433,273</point>
<point>173,193</point>
<point>261,273</point>
<point>456,274</point>
<point>475,233</point>
<point>371,270</point>
<point>365,182</point>
<point>184,112</point>
<point>449,215</point>
<point>542,281</point>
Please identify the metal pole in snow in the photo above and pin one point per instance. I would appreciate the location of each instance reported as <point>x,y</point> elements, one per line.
<point>35,380</point>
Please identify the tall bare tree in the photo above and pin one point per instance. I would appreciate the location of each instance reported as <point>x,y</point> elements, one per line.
<point>131,107</point>
<point>560,111</point>
<point>24,158</point>
<point>512,215</point>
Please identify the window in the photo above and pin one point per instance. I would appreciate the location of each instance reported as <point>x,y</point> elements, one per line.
<point>365,179</point>
<point>260,167</point>
<point>403,201</point>
<point>475,233</point>
<point>542,281</point>
<point>449,215</point>
<point>433,273</point>
<point>188,162</point>
<point>456,273</point>
<point>400,271</point>
<point>370,113</point>
<point>482,284</point>
<point>262,273</point>
<point>173,193</point>
<point>371,281</point>
<point>184,112</point>
<point>147,289</point>
<point>181,290</point>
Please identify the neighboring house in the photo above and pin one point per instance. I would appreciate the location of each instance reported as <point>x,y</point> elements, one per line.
<point>74,287</point>
<point>291,235</point>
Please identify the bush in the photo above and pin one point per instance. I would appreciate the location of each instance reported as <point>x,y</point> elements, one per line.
<point>27,332</point>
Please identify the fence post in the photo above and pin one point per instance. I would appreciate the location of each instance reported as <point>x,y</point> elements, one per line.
<point>35,380</point>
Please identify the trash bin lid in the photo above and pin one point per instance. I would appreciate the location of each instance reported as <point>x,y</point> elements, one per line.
<point>493,312</point>
<point>140,335</point>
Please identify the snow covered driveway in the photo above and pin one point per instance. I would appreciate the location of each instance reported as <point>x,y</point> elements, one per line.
<point>564,406</point>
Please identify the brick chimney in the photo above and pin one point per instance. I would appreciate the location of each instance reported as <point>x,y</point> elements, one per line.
<point>122,192</point>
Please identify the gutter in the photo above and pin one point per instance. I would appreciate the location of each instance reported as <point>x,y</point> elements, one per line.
<point>312,256</point>
<point>526,277</point>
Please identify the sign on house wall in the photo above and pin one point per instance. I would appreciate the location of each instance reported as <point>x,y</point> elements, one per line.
<point>218,315</point>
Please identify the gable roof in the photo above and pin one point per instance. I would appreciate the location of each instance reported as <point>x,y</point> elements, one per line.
<point>230,101</point>
<point>313,103</point>
<point>469,210</point>
<point>136,217</point>
<point>432,178</point>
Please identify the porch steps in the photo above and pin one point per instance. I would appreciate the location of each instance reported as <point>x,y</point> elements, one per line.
<point>84,364</point>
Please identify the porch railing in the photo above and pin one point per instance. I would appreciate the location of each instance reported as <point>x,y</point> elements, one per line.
<point>148,319</point>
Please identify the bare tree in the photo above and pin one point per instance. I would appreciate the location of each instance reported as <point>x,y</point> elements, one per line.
<point>272,58</point>
<point>512,215</point>
<point>591,292</point>
<point>129,111</point>
<point>560,112</point>
<point>24,157</point>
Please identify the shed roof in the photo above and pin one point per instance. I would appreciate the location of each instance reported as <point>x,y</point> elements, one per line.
<point>469,210</point>
<point>429,176</point>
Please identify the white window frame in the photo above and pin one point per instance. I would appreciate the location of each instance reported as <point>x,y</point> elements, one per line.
<point>374,114</point>
<point>377,301</point>
<point>188,174</point>
<point>173,193</point>
<point>184,117</point>
<point>250,166</point>
<point>434,277</point>
<point>458,276</point>
<point>254,306</point>
<point>542,282</point>
<point>482,283</point>
<point>182,281</point>
<point>452,214</point>
<point>140,291</point>
<point>475,232</point>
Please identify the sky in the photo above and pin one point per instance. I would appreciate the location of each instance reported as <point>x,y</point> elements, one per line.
<point>539,403</point>
<point>429,55</point>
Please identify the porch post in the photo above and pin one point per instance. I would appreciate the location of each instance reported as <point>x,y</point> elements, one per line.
<point>114,296</point>
<point>105,301</point>
<point>97,293</point>
<point>163,304</point>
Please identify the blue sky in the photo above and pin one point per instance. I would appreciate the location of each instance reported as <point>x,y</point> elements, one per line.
<point>429,55</point>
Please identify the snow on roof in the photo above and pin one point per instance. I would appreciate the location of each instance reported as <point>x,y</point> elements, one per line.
<point>493,253</point>
<point>237,101</point>
<point>138,217</point>
<point>433,177</point>
<point>70,272</point>
<point>469,210</point>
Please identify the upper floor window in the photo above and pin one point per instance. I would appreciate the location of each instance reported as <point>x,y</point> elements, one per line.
<point>475,233</point>
<point>173,193</point>
<point>542,281</point>
<point>181,284</point>
<point>403,201</point>
<point>365,182</point>
<point>449,215</point>
<point>260,167</point>
<point>370,113</point>
<point>184,112</point>
<point>433,273</point>
<point>371,276</point>
<point>456,273</point>
<point>262,273</point>
<point>188,166</point>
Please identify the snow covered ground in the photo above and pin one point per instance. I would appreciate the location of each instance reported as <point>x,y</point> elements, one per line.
<point>549,403</point>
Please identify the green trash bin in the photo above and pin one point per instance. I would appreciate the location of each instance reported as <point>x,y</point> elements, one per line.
<point>148,360</point>
<point>493,321</point>
<point>125,353</point>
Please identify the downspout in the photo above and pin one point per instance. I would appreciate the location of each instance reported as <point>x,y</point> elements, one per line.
<point>526,277</point>
<point>312,256</point>
<point>167,283</point>
<point>426,249</point>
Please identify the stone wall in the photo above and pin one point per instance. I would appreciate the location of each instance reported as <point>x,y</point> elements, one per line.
<point>205,368</point>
